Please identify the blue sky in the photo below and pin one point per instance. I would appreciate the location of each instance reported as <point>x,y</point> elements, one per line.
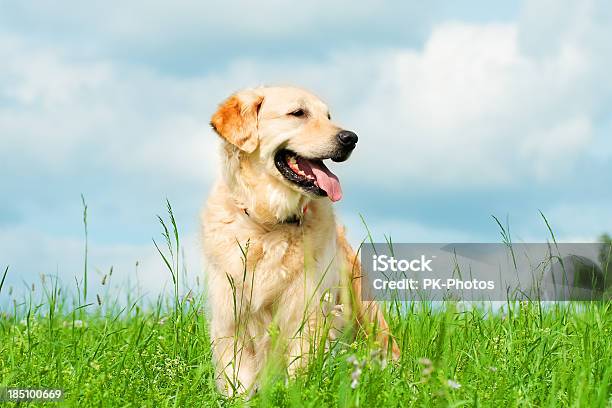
<point>463,111</point>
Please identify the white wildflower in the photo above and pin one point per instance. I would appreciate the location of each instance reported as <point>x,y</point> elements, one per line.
<point>355,377</point>
<point>79,324</point>
<point>453,384</point>
<point>427,371</point>
<point>356,373</point>
<point>425,361</point>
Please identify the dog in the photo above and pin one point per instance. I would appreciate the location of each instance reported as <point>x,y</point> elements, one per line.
<point>277,264</point>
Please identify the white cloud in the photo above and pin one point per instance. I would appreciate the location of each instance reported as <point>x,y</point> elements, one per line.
<point>61,113</point>
<point>564,141</point>
<point>471,108</point>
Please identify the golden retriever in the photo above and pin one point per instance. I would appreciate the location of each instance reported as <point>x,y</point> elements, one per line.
<point>277,265</point>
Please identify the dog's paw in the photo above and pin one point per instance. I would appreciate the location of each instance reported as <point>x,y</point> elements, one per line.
<point>252,391</point>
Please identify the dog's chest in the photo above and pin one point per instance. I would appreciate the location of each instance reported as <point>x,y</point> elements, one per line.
<point>304,253</point>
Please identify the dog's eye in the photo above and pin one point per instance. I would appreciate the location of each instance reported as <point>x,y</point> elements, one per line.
<point>298,113</point>
<point>328,116</point>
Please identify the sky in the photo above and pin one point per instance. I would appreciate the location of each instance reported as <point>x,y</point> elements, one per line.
<point>463,111</point>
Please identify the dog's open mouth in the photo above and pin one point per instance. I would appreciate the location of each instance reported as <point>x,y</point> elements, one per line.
<point>310,174</point>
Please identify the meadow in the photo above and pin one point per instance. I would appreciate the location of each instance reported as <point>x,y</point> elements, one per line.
<point>104,351</point>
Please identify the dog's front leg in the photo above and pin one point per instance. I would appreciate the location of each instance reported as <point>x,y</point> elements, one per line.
<point>300,321</point>
<point>236,364</point>
<point>240,296</point>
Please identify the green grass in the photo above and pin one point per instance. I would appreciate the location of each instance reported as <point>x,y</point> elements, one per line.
<point>559,356</point>
<point>159,355</point>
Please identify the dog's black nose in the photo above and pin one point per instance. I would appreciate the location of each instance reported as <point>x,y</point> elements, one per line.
<point>347,138</point>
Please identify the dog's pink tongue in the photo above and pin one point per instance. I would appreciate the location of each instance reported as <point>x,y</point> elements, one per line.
<point>326,180</point>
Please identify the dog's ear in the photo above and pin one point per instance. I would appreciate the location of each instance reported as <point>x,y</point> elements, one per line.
<point>236,120</point>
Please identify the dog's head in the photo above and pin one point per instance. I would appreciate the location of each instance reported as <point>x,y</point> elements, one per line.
<point>285,133</point>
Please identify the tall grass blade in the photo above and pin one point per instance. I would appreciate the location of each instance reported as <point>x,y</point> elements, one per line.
<point>86,249</point>
<point>3,278</point>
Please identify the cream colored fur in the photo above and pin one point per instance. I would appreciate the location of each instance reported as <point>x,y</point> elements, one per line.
<point>264,275</point>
